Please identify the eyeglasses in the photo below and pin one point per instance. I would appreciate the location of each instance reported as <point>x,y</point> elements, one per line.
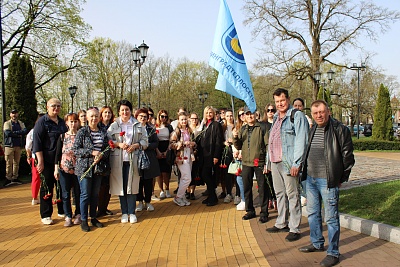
<point>151,114</point>
<point>271,110</point>
<point>55,106</point>
<point>163,117</point>
<point>143,117</point>
<point>194,118</point>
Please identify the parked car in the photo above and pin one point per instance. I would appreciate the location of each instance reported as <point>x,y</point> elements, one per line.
<point>355,129</point>
<point>367,131</point>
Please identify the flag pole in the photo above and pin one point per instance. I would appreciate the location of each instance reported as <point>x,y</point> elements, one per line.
<point>233,106</point>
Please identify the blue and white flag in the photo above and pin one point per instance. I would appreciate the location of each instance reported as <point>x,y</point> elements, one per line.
<point>227,58</point>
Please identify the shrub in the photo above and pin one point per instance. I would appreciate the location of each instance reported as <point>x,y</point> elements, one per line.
<point>369,144</point>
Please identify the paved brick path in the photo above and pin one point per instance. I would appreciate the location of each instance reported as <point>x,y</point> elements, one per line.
<point>173,236</point>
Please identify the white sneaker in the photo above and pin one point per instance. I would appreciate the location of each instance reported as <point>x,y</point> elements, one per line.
<point>132,218</point>
<point>241,206</point>
<point>236,200</point>
<point>35,202</point>
<point>228,198</point>
<point>149,207</point>
<point>139,207</point>
<point>187,203</point>
<point>167,193</point>
<point>178,201</point>
<point>124,218</point>
<point>47,221</point>
<point>162,195</point>
<point>61,215</point>
<point>155,198</point>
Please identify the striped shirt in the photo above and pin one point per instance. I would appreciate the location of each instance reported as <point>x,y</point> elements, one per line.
<point>97,140</point>
<point>316,165</point>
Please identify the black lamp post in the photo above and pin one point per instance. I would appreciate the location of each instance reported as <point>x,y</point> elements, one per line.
<point>72,92</point>
<point>317,77</point>
<point>139,57</point>
<point>358,68</point>
<point>203,97</point>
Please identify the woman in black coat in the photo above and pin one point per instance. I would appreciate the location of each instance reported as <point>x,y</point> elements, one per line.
<point>147,176</point>
<point>211,145</point>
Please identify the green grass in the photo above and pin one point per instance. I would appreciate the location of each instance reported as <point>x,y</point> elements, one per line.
<point>377,202</point>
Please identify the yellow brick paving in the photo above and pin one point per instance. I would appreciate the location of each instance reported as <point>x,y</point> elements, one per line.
<point>170,236</point>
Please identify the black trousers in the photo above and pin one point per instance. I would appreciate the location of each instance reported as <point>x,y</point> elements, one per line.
<point>145,185</point>
<point>263,190</point>
<point>209,178</point>
<point>104,195</point>
<point>46,205</point>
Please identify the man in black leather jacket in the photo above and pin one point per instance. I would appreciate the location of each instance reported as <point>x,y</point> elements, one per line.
<point>328,162</point>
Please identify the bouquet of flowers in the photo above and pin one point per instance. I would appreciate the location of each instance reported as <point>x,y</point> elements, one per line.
<point>58,193</point>
<point>110,146</point>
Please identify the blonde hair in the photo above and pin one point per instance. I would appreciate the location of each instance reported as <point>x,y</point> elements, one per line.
<point>205,112</point>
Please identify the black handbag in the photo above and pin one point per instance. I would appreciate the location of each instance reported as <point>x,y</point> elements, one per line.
<point>143,160</point>
<point>102,168</point>
<point>170,156</point>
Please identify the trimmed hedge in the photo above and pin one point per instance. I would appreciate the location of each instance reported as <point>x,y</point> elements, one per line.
<point>370,144</point>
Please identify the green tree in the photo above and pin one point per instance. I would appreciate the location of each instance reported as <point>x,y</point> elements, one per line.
<point>383,116</point>
<point>20,89</point>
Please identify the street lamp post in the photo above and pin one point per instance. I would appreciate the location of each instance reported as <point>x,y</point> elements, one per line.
<point>139,57</point>
<point>72,92</point>
<point>317,77</point>
<point>203,97</point>
<point>358,68</point>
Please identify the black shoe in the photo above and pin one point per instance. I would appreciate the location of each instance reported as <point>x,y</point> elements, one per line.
<point>329,261</point>
<point>222,195</point>
<point>205,201</point>
<point>310,248</point>
<point>96,223</point>
<point>275,229</point>
<point>249,215</point>
<point>109,212</point>
<point>205,193</point>
<point>292,237</point>
<point>263,219</point>
<point>187,195</point>
<point>209,204</point>
<point>176,191</point>
<point>100,214</point>
<point>7,183</point>
<point>84,226</point>
<point>16,181</point>
<point>192,196</point>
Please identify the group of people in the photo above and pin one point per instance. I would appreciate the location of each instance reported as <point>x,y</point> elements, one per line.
<point>96,155</point>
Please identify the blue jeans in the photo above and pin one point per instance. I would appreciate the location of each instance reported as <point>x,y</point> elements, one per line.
<point>127,201</point>
<point>90,188</point>
<point>239,181</point>
<point>318,193</point>
<point>68,181</point>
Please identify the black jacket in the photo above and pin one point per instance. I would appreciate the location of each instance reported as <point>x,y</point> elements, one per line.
<point>212,141</point>
<point>339,157</point>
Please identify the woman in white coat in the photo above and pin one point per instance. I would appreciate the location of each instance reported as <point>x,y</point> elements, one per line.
<point>128,136</point>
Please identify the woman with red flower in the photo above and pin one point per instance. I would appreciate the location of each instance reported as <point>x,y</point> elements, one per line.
<point>211,143</point>
<point>181,141</point>
<point>128,136</point>
<point>90,147</point>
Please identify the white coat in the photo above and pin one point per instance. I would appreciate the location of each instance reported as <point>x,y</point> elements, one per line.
<point>116,158</point>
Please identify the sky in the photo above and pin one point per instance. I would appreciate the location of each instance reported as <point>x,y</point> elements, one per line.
<point>185,28</point>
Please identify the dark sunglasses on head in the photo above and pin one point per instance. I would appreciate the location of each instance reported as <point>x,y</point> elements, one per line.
<point>241,114</point>
<point>151,114</point>
<point>163,117</point>
<point>271,110</point>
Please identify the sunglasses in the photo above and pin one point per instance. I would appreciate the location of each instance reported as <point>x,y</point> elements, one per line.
<point>55,106</point>
<point>163,117</point>
<point>271,110</point>
<point>241,114</point>
<point>143,117</point>
<point>194,118</point>
<point>151,114</point>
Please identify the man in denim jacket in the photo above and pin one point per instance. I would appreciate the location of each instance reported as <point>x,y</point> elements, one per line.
<point>287,143</point>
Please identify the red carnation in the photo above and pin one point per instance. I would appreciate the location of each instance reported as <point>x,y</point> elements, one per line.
<point>111,144</point>
<point>157,131</point>
<point>121,133</point>
<point>256,162</point>
<point>185,157</point>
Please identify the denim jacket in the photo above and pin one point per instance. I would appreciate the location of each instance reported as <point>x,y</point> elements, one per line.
<point>294,138</point>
